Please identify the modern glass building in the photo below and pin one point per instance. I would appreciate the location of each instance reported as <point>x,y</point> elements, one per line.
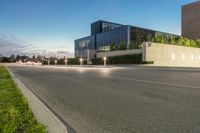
<point>104,34</point>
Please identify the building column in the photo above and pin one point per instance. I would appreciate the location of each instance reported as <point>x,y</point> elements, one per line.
<point>128,36</point>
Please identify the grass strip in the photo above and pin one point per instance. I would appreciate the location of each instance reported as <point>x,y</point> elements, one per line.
<point>15,114</point>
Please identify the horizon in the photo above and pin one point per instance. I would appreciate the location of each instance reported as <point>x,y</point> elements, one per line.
<point>50,27</point>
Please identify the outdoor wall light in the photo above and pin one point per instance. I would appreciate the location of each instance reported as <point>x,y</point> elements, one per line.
<point>192,57</point>
<point>183,56</point>
<point>173,56</point>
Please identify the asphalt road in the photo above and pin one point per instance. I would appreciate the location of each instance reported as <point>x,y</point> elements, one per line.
<point>137,100</point>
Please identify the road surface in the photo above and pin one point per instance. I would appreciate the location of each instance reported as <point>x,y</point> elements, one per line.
<point>136,100</point>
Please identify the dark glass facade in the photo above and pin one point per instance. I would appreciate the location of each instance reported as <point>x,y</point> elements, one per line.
<point>83,44</point>
<point>140,35</point>
<point>103,26</point>
<point>104,34</point>
<point>117,36</point>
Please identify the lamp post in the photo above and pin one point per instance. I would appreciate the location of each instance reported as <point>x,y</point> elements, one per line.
<point>56,62</point>
<point>81,61</point>
<point>104,60</point>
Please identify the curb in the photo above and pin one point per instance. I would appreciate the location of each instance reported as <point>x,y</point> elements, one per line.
<point>42,113</point>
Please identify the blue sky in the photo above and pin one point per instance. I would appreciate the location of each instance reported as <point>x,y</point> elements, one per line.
<point>53,25</point>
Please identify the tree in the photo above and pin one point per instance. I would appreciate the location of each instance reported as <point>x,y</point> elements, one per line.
<point>39,58</point>
<point>134,45</point>
<point>172,40</point>
<point>24,58</point>
<point>198,43</point>
<point>113,46</point>
<point>1,58</point>
<point>163,39</point>
<point>17,58</point>
<point>122,46</point>
<point>180,41</point>
<point>157,39</point>
<point>12,58</point>
<point>186,42</point>
<point>33,58</point>
<point>193,43</point>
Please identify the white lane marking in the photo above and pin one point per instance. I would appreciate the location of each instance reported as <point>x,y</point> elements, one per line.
<point>156,82</point>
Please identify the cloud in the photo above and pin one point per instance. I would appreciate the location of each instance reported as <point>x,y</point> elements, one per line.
<point>48,53</point>
<point>10,44</point>
<point>64,54</point>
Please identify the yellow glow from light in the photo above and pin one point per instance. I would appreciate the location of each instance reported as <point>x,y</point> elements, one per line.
<point>173,56</point>
<point>183,56</point>
<point>192,57</point>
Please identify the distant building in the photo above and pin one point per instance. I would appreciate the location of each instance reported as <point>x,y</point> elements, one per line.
<point>104,34</point>
<point>191,20</point>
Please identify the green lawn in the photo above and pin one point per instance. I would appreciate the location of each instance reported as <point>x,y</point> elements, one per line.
<point>15,115</point>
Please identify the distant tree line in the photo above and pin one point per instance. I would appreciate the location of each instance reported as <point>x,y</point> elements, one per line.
<point>23,58</point>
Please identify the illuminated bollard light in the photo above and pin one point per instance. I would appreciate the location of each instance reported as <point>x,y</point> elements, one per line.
<point>56,62</point>
<point>81,61</point>
<point>65,62</point>
<point>104,60</point>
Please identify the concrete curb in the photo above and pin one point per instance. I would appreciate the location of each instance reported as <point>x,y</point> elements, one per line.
<point>42,113</point>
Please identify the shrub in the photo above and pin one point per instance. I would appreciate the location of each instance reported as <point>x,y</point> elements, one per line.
<point>193,43</point>
<point>157,39</point>
<point>177,41</point>
<point>113,47</point>
<point>122,46</point>
<point>198,43</point>
<point>134,45</point>
<point>172,40</point>
<point>147,62</point>
<point>125,59</point>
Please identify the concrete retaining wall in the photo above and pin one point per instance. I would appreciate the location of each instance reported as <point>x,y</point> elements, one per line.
<point>118,53</point>
<point>171,55</point>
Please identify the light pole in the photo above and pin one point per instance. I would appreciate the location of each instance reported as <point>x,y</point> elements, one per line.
<point>56,62</point>
<point>81,61</point>
<point>104,60</point>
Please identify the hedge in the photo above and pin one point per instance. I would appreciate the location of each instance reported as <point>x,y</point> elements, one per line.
<point>125,59</point>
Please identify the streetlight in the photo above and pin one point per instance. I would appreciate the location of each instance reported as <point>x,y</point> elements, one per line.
<point>81,61</point>
<point>56,62</point>
<point>104,60</point>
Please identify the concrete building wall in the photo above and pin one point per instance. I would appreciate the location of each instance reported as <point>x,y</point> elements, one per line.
<point>171,55</point>
<point>191,20</point>
<point>118,53</point>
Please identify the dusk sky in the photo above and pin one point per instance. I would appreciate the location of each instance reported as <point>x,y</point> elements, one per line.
<point>38,26</point>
